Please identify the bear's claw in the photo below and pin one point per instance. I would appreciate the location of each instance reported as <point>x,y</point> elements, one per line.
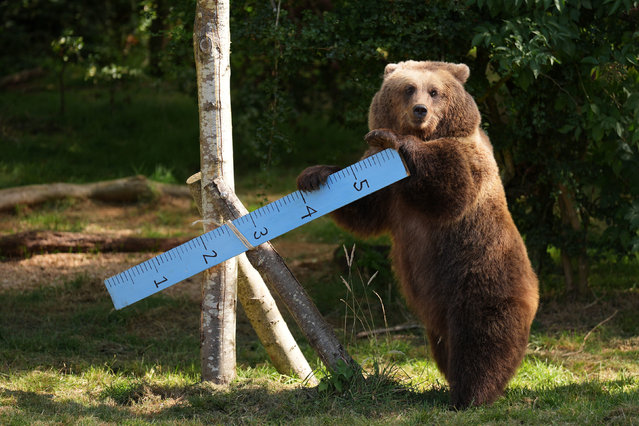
<point>312,177</point>
<point>382,138</point>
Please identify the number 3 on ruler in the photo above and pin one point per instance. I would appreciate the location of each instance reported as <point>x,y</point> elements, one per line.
<point>259,234</point>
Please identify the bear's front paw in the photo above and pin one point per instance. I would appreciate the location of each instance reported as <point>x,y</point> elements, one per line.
<point>312,177</point>
<point>382,138</point>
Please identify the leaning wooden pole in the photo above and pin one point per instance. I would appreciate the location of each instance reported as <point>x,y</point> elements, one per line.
<point>275,272</point>
<point>262,311</point>
<point>211,40</point>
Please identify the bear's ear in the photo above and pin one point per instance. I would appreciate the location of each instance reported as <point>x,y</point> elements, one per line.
<point>460,71</point>
<point>389,69</point>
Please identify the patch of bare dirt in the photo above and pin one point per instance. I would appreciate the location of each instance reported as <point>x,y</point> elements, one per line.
<point>165,217</point>
<point>60,268</point>
<point>56,269</point>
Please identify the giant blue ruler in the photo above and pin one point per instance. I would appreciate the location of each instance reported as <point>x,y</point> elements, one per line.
<point>235,237</point>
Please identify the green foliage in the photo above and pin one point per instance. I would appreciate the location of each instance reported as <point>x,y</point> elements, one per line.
<point>563,104</point>
<point>340,379</point>
<point>324,59</point>
<point>108,31</point>
<point>67,47</point>
<point>557,83</point>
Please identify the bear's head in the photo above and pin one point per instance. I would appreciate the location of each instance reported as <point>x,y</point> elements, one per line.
<point>425,99</point>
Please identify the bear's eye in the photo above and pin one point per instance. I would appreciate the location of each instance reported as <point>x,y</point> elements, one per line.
<point>433,92</point>
<point>409,90</point>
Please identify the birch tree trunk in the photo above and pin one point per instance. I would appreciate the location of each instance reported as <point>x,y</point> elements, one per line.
<point>261,310</point>
<point>211,39</point>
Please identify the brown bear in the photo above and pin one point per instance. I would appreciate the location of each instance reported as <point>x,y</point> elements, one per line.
<point>460,260</point>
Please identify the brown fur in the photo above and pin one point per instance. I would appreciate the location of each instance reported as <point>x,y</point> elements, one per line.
<point>461,262</point>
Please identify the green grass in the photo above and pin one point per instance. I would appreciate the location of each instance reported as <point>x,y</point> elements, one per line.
<point>149,131</point>
<point>51,217</point>
<point>152,133</point>
<point>66,356</point>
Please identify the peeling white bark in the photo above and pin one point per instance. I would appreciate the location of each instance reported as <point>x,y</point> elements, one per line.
<point>269,325</point>
<point>277,275</point>
<point>211,43</point>
<point>263,313</point>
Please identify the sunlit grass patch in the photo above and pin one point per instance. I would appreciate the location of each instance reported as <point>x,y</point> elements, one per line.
<point>540,374</point>
<point>39,381</point>
<point>52,216</point>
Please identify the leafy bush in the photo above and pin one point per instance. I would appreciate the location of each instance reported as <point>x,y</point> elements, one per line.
<point>562,108</point>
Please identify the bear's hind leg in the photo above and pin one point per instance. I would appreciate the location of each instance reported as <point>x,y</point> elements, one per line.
<point>471,383</point>
<point>484,355</point>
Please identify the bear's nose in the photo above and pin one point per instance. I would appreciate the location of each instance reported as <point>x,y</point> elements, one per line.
<point>420,111</point>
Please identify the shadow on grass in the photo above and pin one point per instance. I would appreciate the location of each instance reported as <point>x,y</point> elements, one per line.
<point>32,407</point>
<point>252,401</point>
<point>257,401</point>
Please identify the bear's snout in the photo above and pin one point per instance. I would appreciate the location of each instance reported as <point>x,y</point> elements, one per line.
<point>420,111</point>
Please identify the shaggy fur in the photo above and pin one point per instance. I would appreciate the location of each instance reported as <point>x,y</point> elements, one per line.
<point>461,262</point>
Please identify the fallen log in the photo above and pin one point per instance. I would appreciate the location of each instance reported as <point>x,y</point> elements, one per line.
<point>36,242</point>
<point>128,189</point>
<point>21,77</point>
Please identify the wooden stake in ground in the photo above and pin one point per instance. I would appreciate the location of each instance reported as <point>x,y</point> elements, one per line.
<point>211,40</point>
<point>275,272</point>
